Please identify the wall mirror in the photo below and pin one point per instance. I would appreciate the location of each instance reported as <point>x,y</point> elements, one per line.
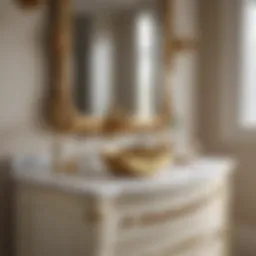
<point>109,62</point>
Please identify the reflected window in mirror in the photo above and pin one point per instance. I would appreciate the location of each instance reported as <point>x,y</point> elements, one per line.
<point>94,48</point>
<point>146,31</point>
<point>118,62</point>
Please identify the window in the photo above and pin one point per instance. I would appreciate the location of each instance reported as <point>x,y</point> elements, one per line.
<point>248,68</point>
<point>238,70</point>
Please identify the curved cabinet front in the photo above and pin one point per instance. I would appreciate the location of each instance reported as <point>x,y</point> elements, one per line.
<point>121,218</point>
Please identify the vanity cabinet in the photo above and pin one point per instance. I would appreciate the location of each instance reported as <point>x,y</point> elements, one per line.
<point>50,223</point>
<point>183,211</point>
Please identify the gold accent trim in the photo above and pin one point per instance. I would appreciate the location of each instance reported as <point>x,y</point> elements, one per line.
<point>196,241</point>
<point>156,218</point>
<point>191,243</point>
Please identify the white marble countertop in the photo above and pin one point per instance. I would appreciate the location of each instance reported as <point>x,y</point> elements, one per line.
<point>201,170</point>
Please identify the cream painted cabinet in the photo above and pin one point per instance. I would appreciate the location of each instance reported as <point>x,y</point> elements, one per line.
<point>49,223</point>
<point>184,211</point>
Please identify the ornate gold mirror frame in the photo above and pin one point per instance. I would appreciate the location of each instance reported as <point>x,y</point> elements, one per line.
<point>63,115</point>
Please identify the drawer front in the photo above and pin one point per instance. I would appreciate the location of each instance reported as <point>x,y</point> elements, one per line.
<point>174,222</point>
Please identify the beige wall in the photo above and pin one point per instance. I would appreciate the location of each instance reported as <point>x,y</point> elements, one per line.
<point>21,79</point>
<point>22,73</point>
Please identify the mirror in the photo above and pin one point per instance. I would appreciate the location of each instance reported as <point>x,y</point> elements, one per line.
<point>110,63</point>
<point>118,62</point>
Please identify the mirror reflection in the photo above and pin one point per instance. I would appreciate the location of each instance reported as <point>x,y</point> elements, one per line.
<point>118,59</point>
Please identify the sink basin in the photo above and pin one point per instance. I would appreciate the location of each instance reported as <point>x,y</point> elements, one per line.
<point>137,161</point>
